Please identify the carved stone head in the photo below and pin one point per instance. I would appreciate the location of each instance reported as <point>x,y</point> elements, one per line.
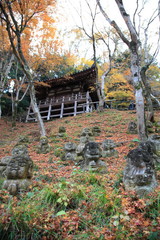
<point>92,152</point>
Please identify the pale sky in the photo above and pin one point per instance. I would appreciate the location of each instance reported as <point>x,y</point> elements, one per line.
<point>70,18</point>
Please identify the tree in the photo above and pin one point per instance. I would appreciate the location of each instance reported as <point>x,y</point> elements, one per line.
<point>6,61</point>
<point>19,16</point>
<point>133,45</point>
<point>117,86</point>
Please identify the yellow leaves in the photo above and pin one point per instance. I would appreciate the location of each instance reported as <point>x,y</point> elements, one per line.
<point>117,86</point>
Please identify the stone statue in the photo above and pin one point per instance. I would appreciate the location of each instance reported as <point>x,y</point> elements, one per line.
<point>86,136</point>
<point>96,131</point>
<point>44,146</point>
<point>91,158</point>
<point>139,173</point>
<point>3,165</point>
<point>61,131</point>
<point>155,141</point>
<point>70,151</point>
<point>108,150</point>
<point>18,171</point>
<point>132,128</point>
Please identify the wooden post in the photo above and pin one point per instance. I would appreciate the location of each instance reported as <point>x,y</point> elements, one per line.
<point>49,110</point>
<point>28,113</point>
<point>87,101</point>
<point>62,108</point>
<point>75,108</point>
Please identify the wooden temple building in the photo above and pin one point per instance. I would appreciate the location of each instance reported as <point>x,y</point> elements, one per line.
<point>67,96</point>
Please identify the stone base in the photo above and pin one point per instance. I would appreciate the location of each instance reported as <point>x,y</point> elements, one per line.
<point>100,167</point>
<point>15,186</point>
<point>140,190</point>
<point>110,153</point>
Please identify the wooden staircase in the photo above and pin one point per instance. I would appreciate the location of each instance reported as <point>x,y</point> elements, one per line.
<point>70,105</point>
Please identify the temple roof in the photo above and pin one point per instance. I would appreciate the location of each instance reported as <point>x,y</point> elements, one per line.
<point>88,75</point>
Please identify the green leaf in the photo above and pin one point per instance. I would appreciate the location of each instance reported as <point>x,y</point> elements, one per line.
<point>59,200</point>
<point>61,213</point>
<point>135,140</point>
<point>30,194</point>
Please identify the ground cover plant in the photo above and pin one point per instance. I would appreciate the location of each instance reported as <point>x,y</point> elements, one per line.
<point>67,203</point>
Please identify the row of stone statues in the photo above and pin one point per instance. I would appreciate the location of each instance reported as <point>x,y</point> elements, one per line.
<point>139,173</point>
<point>87,153</point>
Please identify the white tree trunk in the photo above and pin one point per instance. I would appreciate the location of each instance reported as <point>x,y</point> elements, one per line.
<point>36,110</point>
<point>138,93</point>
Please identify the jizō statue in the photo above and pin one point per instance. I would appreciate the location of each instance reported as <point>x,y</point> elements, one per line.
<point>91,157</point>
<point>70,151</point>
<point>108,150</point>
<point>139,173</point>
<point>18,171</point>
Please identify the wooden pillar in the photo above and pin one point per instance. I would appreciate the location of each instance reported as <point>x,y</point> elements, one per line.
<point>75,108</point>
<point>62,108</point>
<point>87,101</point>
<point>28,113</point>
<point>49,110</point>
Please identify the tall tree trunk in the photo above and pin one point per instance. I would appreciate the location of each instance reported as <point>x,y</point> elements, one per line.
<point>36,110</point>
<point>138,92</point>
<point>148,92</point>
<point>0,106</point>
<point>133,46</point>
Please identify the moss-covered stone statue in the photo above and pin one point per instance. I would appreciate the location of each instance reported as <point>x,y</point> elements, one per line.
<point>108,150</point>
<point>91,158</point>
<point>44,146</point>
<point>3,165</point>
<point>18,171</point>
<point>139,173</point>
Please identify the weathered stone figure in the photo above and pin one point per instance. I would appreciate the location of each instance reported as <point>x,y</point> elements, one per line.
<point>61,131</point>
<point>139,174</point>
<point>155,141</point>
<point>96,131</point>
<point>70,151</point>
<point>44,146</point>
<point>18,171</point>
<point>108,150</point>
<point>86,136</point>
<point>132,128</point>
<point>3,165</point>
<point>91,156</point>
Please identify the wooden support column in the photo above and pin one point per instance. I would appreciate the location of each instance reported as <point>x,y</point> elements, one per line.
<point>75,107</point>
<point>62,108</point>
<point>49,110</point>
<point>87,101</point>
<point>28,113</point>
